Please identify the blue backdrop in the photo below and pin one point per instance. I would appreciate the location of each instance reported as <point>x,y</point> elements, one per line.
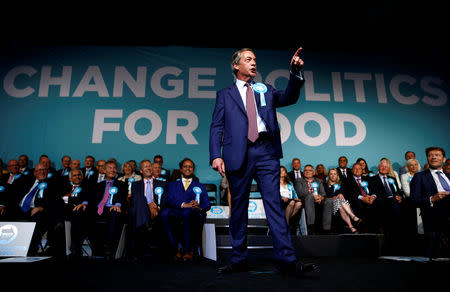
<point>135,102</point>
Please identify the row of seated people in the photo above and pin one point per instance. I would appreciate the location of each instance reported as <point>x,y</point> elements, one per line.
<point>99,209</point>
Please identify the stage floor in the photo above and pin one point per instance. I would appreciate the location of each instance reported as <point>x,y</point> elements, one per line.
<point>156,274</point>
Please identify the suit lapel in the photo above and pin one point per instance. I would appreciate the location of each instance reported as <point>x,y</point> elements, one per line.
<point>236,97</point>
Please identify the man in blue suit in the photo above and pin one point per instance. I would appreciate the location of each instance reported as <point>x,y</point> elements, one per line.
<point>430,191</point>
<point>186,201</point>
<point>245,144</point>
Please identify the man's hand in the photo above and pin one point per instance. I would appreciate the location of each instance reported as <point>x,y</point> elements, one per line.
<point>368,200</point>
<point>153,210</point>
<point>35,210</point>
<point>285,199</point>
<point>439,196</point>
<point>219,165</point>
<point>2,210</point>
<point>78,207</point>
<point>296,62</point>
<point>115,208</point>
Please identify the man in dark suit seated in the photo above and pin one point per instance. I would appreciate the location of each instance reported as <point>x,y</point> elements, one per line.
<point>35,201</point>
<point>296,171</point>
<point>90,173</point>
<point>366,205</point>
<point>75,198</point>
<point>391,197</point>
<point>3,200</point>
<point>187,201</point>
<point>147,195</point>
<point>109,204</point>
<point>430,191</point>
<point>13,178</point>
<point>311,191</point>
<point>23,165</point>
<point>45,160</point>
<point>165,173</point>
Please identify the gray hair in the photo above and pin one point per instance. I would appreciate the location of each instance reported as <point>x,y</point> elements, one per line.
<point>236,57</point>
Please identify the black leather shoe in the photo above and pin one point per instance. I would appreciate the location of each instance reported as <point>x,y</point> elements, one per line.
<point>297,268</point>
<point>233,268</point>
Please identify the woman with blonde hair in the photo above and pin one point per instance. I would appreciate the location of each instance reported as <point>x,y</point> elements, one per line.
<point>335,190</point>
<point>289,197</point>
<point>412,167</point>
<point>392,172</point>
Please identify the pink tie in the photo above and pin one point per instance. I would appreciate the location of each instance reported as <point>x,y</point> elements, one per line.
<point>11,178</point>
<point>251,114</point>
<point>104,200</point>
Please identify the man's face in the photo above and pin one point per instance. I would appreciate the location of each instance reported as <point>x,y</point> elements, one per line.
<point>13,166</point>
<point>296,164</point>
<point>383,168</point>
<point>75,164</point>
<point>187,169</point>
<point>410,155</point>
<point>435,159</point>
<point>308,172</point>
<point>45,161</point>
<point>23,161</point>
<point>246,69</point>
<point>101,166</point>
<point>342,162</point>
<point>146,169</point>
<point>40,171</point>
<point>88,162</point>
<point>357,170</point>
<point>76,177</point>
<point>158,160</point>
<point>65,161</point>
<point>156,169</point>
<point>110,170</point>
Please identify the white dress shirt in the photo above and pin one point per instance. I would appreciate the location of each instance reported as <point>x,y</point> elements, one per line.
<point>243,91</point>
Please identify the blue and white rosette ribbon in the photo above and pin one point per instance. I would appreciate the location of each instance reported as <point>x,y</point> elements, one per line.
<point>197,192</point>
<point>392,182</point>
<point>365,184</point>
<point>66,173</point>
<point>42,186</point>
<point>2,189</point>
<point>260,88</point>
<point>90,172</point>
<point>158,192</point>
<point>163,172</point>
<point>410,179</point>
<point>315,187</point>
<point>291,191</point>
<point>336,187</point>
<point>112,192</point>
<point>49,175</point>
<point>131,180</point>
<point>76,191</point>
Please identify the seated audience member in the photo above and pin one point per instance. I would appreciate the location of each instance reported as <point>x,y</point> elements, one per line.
<point>446,167</point>
<point>109,204</point>
<point>147,196</point>
<point>390,196</point>
<point>75,197</point>
<point>334,189</point>
<point>343,170</point>
<point>321,172</point>
<point>392,173</point>
<point>412,167</point>
<point>4,200</point>
<point>90,173</point>
<point>296,171</point>
<point>176,174</point>
<point>65,162</point>
<point>165,173</point>
<point>75,164</point>
<point>156,168</point>
<point>291,202</point>
<point>45,160</point>
<point>408,155</point>
<point>101,170</point>
<point>187,201</point>
<point>35,201</point>
<point>129,176</point>
<point>311,192</point>
<point>358,191</point>
<point>23,165</point>
<point>430,191</point>
<point>13,178</point>
<point>365,168</point>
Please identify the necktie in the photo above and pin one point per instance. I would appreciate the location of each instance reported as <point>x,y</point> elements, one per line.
<point>344,171</point>
<point>186,184</point>
<point>11,178</point>
<point>149,191</point>
<point>105,198</point>
<point>387,187</point>
<point>363,192</point>
<point>310,189</point>
<point>442,180</point>
<point>27,202</point>
<point>252,133</point>
<point>297,174</point>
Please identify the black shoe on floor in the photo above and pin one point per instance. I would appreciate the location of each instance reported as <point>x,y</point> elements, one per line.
<point>297,268</point>
<point>233,268</point>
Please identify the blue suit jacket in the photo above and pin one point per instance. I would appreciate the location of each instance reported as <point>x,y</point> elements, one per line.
<point>176,195</point>
<point>422,187</point>
<point>229,126</point>
<point>139,212</point>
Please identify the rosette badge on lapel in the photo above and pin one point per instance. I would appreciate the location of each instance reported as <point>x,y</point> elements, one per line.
<point>42,186</point>
<point>315,187</point>
<point>260,88</point>
<point>197,192</point>
<point>158,192</point>
<point>112,192</point>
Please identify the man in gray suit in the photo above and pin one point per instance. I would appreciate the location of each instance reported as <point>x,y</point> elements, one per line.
<point>312,193</point>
